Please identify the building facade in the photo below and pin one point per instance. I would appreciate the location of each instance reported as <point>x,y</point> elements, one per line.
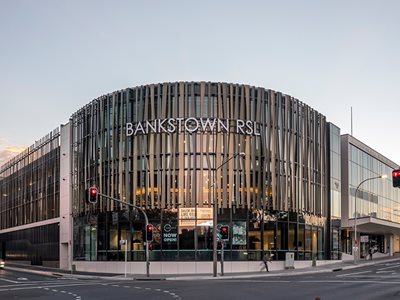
<point>30,203</point>
<point>160,147</point>
<point>378,203</point>
<point>172,150</point>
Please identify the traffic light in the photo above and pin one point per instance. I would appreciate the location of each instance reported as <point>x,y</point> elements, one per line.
<point>149,233</point>
<point>396,178</point>
<point>91,195</point>
<point>224,231</point>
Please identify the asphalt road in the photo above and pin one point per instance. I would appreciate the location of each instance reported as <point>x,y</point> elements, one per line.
<point>381,281</point>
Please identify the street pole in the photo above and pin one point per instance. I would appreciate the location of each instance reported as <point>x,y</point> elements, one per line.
<point>126,255</point>
<point>122,242</point>
<point>222,257</point>
<point>215,214</point>
<point>146,221</point>
<point>215,211</point>
<point>356,246</point>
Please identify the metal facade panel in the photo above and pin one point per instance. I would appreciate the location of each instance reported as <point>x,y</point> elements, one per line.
<point>284,168</point>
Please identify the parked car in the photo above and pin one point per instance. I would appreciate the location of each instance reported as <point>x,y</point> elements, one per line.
<point>2,264</point>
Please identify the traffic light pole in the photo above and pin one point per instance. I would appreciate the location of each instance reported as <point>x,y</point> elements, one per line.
<point>215,213</point>
<point>356,243</point>
<point>147,223</point>
<point>222,257</point>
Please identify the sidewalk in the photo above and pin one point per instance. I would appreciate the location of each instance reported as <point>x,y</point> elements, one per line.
<point>343,265</point>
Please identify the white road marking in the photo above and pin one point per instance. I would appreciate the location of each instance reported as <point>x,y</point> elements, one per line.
<point>46,287</point>
<point>356,273</point>
<point>22,278</point>
<point>390,267</point>
<point>350,281</point>
<point>391,264</point>
<point>8,280</point>
<point>380,272</point>
<point>126,286</point>
<point>262,281</point>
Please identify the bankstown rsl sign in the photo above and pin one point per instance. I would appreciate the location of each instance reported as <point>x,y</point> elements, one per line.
<point>192,125</point>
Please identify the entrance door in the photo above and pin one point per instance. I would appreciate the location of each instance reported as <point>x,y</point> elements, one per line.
<point>396,244</point>
<point>3,250</point>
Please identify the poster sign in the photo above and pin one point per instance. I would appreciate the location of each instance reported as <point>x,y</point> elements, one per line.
<point>239,233</point>
<point>187,216</point>
<point>169,233</point>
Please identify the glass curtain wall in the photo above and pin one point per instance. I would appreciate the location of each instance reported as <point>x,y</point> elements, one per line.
<point>30,184</point>
<point>375,198</point>
<point>335,191</point>
<point>180,157</point>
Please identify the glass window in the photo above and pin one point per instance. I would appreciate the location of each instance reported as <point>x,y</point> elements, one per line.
<point>292,236</point>
<point>186,237</point>
<point>269,234</point>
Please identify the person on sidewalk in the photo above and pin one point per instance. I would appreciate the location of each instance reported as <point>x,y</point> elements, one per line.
<point>266,259</point>
<point>370,251</point>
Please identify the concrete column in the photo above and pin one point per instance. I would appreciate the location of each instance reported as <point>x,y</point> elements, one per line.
<point>391,244</point>
<point>65,201</point>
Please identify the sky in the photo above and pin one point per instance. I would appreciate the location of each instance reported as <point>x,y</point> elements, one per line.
<point>56,56</point>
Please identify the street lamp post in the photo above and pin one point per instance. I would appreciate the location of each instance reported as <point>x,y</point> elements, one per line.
<point>146,221</point>
<point>215,212</point>
<point>356,246</point>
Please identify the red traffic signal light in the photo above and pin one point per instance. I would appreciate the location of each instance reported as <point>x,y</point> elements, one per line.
<point>224,232</point>
<point>92,195</point>
<point>149,233</point>
<point>396,178</point>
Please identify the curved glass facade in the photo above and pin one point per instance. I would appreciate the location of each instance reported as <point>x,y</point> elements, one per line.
<point>165,147</point>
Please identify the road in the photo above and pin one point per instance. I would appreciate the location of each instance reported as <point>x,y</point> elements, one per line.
<point>381,281</point>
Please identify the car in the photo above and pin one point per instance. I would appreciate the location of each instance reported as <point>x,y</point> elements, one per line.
<point>2,264</point>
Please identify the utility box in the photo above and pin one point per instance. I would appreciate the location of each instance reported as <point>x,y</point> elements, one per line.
<point>289,260</point>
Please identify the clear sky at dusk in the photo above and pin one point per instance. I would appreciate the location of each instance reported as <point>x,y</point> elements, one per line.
<point>56,56</point>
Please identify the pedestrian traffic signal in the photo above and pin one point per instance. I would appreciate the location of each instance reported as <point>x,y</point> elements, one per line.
<point>396,178</point>
<point>91,195</point>
<point>224,232</point>
<point>149,233</point>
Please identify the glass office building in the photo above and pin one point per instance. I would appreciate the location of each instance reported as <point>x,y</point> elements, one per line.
<point>378,203</point>
<point>163,147</point>
<point>335,184</point>
<point>29,206</point>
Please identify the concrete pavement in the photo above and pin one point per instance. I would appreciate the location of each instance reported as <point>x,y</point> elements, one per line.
<point>342,265</point>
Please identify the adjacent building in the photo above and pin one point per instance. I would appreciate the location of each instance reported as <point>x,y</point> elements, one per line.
<point>378,204</point>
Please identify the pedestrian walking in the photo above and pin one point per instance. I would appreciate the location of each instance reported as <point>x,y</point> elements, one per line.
<point>370,251</point>
<point>267,259</point>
